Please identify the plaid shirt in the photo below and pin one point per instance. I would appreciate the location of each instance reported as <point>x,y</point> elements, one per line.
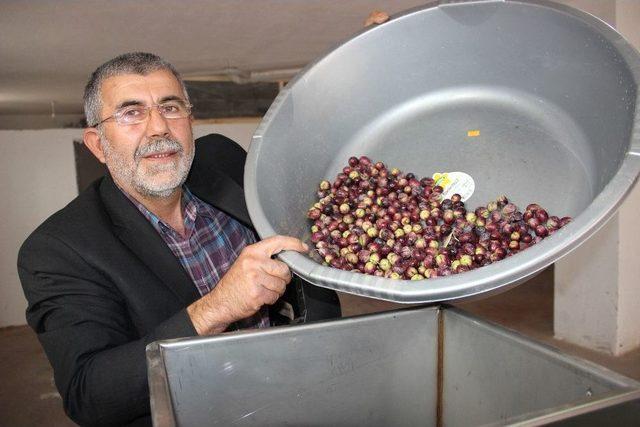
<point>212,242</point>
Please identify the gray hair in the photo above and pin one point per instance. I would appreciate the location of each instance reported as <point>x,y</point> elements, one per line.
<point>140,63</point>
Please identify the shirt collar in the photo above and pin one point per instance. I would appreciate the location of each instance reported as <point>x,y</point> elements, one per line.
<point>191,208</point>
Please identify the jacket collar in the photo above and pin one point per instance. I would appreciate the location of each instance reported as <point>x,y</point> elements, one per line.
<point>133,229</point>
<point>221,192</point>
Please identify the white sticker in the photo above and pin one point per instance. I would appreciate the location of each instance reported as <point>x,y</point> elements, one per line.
<point>455,182</point>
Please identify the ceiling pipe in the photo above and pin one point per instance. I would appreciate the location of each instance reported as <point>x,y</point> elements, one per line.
<point>241,77</point>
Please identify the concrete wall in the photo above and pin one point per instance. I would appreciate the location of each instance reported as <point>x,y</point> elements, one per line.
<point>37,178</point>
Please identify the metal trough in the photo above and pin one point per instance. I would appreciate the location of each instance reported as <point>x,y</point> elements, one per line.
<point>413,367</point>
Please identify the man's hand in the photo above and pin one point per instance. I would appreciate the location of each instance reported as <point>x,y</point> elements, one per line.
<point>254,279</point>
<point>376,17</point>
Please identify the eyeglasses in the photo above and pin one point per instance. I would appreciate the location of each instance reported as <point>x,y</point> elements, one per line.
<point>134,114</point>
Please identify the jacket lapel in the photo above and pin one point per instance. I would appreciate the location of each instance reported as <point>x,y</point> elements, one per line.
<point>133,229</point>
<point>223,193</point>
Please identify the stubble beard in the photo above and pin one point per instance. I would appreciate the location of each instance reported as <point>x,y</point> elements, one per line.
<point>144,179</point>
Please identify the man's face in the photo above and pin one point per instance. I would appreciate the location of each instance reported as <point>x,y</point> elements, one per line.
<point>152,158</point>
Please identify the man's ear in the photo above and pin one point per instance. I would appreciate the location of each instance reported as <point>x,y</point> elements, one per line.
<point>91,139</point>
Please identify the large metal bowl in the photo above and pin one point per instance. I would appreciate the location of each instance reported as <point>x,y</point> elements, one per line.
<point>552,90</point>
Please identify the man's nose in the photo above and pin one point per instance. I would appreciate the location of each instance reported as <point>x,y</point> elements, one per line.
<point>157,125</point>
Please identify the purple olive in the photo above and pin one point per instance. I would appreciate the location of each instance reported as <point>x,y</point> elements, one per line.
<point>565,220</point>
<point>542,215</point>
<point>385,250</point>
<point>507,228</point>
<point>459,212</point>
<point>374,246</point>
<point>509,209</point>
<point>426,182</point>
<point>419,255</point>
<point>411,271</point>
<point>468,248</point>
<point>466,237</point>
<point>502,200</point>
<point>428,261</point>
<point>352,238</point>
<point>448,216</point>
<point>442,260</point>
<point>314,213</point>
<point>498,254</point>
<point>541,231</point>
<point>406,252</point>
<point>482,212</point>
<point>364,255</point>
<point>365,161</point>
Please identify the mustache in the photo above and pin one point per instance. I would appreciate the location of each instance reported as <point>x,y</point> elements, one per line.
<point>156,146</point>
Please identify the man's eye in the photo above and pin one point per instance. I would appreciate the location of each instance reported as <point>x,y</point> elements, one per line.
<point>170,108</point>
<point>131,113</point>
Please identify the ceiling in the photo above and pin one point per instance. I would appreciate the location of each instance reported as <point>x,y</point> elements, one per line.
<point>49,48</point>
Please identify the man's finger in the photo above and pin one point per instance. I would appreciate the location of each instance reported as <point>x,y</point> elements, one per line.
<point>268,296</point>
<point>274,284</point>
<point>278,269</point>
<point>376,17</point>
<point>276,244</point>
<point>272,298</point>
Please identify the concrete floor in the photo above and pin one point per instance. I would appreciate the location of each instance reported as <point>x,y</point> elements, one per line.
<point>29,398</point>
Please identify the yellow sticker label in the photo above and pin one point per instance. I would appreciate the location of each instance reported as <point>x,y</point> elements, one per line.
<point>455,182</point>
<point>442,179</point>
<point>473,133</point>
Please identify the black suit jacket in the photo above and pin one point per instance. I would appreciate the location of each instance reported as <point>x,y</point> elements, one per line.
<point>102,284</point>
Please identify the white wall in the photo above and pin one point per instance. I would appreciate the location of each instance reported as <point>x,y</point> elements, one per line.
<point>37,178</point>
<point>597,302</point>
<point>240,131</point>
<point>628,23</point>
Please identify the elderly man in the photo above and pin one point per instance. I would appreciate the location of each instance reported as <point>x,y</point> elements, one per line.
<point>160,248</point>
